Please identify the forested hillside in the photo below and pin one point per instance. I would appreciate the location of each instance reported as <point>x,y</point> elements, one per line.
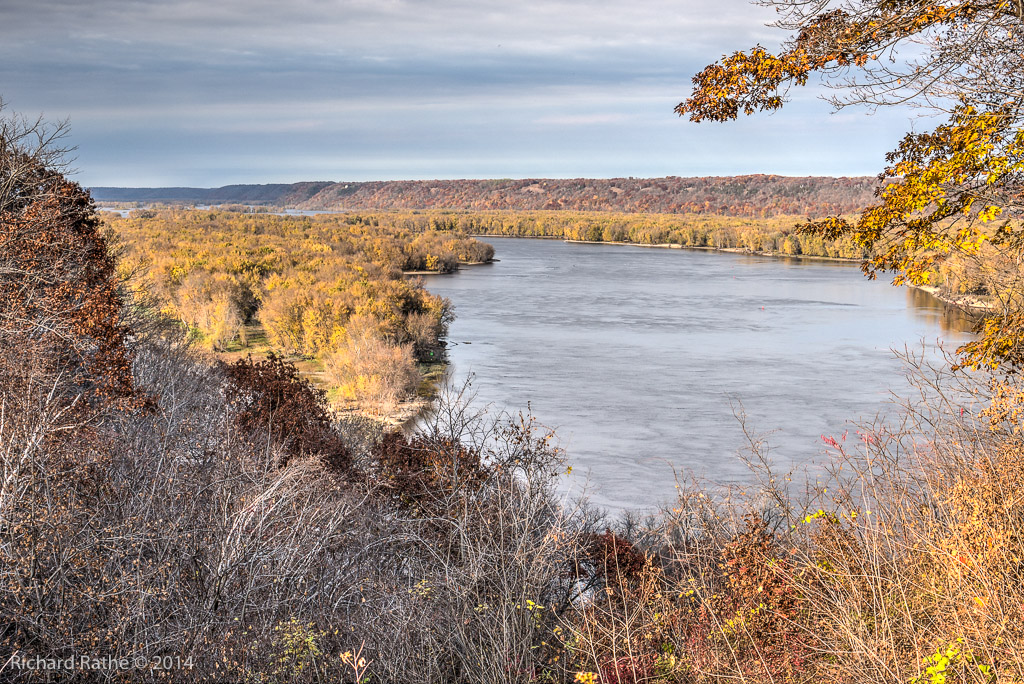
<point>752,196</point>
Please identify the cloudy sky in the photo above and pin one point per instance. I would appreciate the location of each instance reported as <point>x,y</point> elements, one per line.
<point>212,92</point>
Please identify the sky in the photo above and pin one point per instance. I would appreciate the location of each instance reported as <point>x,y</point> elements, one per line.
<point>213,92</point>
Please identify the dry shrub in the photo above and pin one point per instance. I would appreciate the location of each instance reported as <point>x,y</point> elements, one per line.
<point>725,610</point>
<point>613,557</point>
<point>482,549</point>
<point>162,534</point>
<point>618,630</point>
<point>914,551</point>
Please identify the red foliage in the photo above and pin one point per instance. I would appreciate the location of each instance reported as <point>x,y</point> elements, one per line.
<point>59,304</point>
<point>614,558</point>
<point>270,398</point>
<point>628,669</point>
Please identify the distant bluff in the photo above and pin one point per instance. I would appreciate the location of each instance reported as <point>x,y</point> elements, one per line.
<point>754,195</point>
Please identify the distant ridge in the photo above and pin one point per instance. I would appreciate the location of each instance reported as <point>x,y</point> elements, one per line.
<point>753,195</point>
<point>273,193</point>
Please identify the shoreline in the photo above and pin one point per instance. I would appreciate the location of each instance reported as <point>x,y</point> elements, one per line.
<point>703,248</point>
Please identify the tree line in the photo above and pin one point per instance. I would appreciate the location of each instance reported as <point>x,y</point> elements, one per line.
<point>776,235</point>
<point>984,275</point>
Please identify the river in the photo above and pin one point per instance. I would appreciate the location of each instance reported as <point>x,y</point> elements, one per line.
<point>641,358</point>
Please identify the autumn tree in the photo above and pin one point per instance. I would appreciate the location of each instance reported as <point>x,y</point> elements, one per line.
<point>370,369</point>
<point>65,376</point>
<point>954,192</point>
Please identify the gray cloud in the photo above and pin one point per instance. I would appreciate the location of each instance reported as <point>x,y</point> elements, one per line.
<point>382,27</point>
<point>212,92</point>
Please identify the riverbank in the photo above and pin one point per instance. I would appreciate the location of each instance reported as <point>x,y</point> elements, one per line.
<point>970,303</point>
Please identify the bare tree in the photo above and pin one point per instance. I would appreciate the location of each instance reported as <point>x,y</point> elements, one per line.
<point>26,146</point>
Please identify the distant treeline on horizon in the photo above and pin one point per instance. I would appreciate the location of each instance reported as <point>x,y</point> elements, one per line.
<point>748,196</point>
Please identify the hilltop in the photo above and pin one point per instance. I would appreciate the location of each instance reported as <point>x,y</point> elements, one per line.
<point>283,194</point>
<point>754,195</point>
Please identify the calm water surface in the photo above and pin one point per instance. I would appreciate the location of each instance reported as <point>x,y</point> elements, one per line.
<point>638,357</point>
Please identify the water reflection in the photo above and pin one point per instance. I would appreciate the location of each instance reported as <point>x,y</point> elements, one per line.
<point>936,313</point>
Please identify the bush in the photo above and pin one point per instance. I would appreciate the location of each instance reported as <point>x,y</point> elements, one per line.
<point>268,397</point>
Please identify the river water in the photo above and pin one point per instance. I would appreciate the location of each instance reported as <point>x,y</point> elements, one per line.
<point>641,358</point>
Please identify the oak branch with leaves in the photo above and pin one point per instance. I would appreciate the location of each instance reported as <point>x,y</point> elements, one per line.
<point>954,193</point>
